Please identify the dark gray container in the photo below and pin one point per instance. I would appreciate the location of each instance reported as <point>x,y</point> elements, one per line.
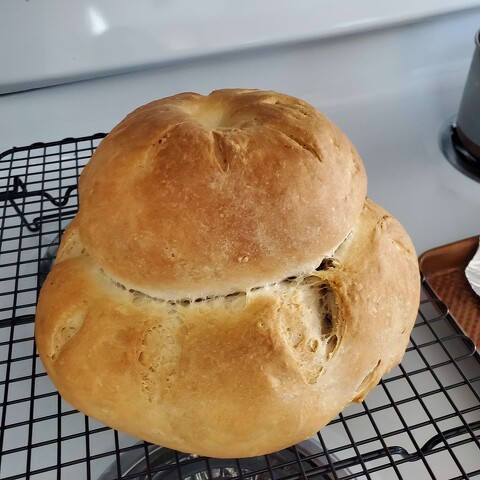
<point>460,138</point>
<point>468,120</point>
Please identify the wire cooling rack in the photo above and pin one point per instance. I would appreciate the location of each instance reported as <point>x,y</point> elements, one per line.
<point>421,422</point>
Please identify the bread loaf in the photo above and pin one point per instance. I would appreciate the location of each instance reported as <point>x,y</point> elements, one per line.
<point>225,289</point>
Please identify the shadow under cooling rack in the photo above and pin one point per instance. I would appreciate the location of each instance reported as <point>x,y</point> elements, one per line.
<point>422,421</point>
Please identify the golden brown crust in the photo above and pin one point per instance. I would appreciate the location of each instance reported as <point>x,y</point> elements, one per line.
<point>195,197</point>
<point>242,188</point>
<point>238,375</point>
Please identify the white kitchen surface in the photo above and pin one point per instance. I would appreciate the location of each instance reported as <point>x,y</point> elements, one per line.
<point>50,42</point>
<point>390,89</point>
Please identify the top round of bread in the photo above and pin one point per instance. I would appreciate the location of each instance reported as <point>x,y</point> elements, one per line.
<point>243,187</point>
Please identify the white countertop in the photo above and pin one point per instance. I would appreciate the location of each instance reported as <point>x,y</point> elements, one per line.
<point>390,89</point>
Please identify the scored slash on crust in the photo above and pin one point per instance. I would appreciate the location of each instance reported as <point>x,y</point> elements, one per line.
<point>219,151</point>
<point>306,147</point>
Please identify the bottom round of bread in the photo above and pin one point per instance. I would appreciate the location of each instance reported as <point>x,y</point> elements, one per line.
<point>238,375</point>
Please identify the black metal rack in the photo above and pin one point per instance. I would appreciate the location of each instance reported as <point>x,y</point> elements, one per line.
<point>422,421</point>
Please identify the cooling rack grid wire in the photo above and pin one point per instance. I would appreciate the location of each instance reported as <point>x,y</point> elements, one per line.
<point>422,421</point>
